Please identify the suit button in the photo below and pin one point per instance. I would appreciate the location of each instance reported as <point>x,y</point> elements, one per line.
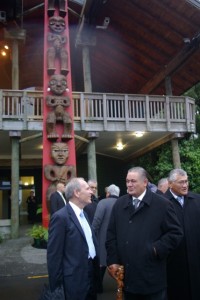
<point>130,222</point>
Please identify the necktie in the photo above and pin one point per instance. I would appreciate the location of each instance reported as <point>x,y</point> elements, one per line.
<point>180,200</point>
<point>88,235</point>
<point>136,202</point>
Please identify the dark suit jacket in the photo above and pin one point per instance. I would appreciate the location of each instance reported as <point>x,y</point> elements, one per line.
<point>56,202</point>
<point>132,236</point>
<point>67,254</point>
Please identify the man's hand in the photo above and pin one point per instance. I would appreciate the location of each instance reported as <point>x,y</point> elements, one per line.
<point>113,269</point>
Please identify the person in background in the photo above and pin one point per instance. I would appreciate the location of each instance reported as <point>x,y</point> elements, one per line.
<point>183,268</point>
<point>152,187</point>
<point>31,207</point>
<point>100,225</point>
<point>142,232</point>
<point>57,199</point>
<point>163,185</point>
<point>72,251</point>
<point>91,208</point>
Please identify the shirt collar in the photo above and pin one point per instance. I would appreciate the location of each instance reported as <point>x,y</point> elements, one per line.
<point>174,195</point>
<point>76,209</point>
<point>140,197</point>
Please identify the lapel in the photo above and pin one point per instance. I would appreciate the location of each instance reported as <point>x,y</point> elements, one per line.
<point>60,197</point>
<point>131,209</point>
<point>74,219</point>
<point>170,196</point>
<point>145,201</point>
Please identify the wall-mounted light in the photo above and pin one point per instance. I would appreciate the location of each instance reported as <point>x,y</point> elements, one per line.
<point>139,133</point>
<point>120,146</point>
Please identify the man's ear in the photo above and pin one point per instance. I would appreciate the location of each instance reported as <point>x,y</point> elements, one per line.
<point>76,193</point>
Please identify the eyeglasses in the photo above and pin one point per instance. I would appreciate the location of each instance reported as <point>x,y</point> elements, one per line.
<point>93,187</point>
<point>182,182</point>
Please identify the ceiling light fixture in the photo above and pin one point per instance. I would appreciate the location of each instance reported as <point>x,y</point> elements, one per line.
<point>139,133</point>
<point>120,146</point>
<point>3,53</point>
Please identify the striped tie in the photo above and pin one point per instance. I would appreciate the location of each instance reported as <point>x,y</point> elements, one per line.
<point>136,202</point>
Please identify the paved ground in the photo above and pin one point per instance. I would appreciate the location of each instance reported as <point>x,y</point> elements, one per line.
<point>23,270</point>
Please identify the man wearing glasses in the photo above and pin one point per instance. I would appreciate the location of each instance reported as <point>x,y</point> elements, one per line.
<point>183,270</point>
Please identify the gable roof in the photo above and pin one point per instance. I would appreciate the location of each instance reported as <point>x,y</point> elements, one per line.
<point>143,42</point>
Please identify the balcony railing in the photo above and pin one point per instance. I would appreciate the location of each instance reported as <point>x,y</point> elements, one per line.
<point>97,112</point>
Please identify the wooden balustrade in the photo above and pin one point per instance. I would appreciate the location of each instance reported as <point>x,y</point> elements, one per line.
<point>99,111</point>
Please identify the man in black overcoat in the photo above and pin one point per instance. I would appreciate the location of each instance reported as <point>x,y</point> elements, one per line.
<point>183,269</point>
<point>140,237</point>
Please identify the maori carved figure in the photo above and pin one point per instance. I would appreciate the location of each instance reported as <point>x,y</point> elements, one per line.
<point>117,272</point>
<point>58,85</point>
<point>57,48</point>
<point>120,284</point>
<point>59,153</point>
<point>57,24</point>
<point>61,6</point>
<point>58,172</point>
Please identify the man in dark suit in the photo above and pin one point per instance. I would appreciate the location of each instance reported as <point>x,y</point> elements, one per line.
<point>72,257</point>
<point>183,268</point>
<point>57,199</point>
<point>142,231</point>
<point>91,208</point>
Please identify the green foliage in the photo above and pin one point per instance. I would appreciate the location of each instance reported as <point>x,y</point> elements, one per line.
<point>159,163</point>
<point>194,92</point>
<point>38,232</point>
<point>190,162</point>
<point>39,211</point>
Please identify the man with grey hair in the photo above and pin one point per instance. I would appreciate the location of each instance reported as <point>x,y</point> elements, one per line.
<point>142,232</point>
<point>163,185</point>
<point>72,252</point>
<point>183,269</point>
<point>100,225</point>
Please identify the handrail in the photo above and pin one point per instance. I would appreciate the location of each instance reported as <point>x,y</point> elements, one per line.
<point>105,108</point>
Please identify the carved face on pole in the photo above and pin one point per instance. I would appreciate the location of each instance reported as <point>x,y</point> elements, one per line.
<point>58,84</point>
<point>57,24</point>
<point>59,153</point>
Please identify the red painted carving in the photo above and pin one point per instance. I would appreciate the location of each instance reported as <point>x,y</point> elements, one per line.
<point>57,46</point>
